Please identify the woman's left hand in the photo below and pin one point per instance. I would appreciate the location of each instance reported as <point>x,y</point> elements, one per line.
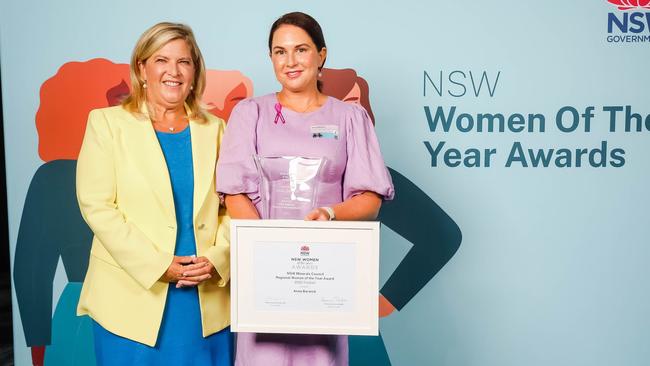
<point>318,214</point>
<point>201,270</point>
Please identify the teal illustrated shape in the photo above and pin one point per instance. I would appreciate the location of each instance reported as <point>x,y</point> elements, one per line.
<point>72,335</point>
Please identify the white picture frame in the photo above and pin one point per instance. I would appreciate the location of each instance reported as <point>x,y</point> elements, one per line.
<point>304,277</point>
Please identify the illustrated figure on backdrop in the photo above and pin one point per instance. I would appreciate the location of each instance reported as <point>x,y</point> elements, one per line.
<point>413,215</point>
<point>51,227</point>
<point>157,280</point>
<point>224,90</point>
<point>354,183</point>
<point>51,224</point>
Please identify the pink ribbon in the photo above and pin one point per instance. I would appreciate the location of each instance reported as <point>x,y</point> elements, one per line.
<point>278,113</point>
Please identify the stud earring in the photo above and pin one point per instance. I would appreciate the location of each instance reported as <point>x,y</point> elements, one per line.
<point>191,87</point>
<point>144,84</point>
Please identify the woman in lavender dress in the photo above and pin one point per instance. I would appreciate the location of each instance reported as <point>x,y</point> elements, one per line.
<point>301,121</point>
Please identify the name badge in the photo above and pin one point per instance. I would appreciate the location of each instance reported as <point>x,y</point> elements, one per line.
<point>325,132</point>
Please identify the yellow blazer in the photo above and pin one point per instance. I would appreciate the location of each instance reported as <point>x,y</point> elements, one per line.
<point>125,196</point>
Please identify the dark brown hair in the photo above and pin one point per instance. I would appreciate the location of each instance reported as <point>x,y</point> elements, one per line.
<point>306,23</point>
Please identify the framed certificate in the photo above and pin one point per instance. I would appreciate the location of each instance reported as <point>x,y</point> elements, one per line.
<point>304,277</point>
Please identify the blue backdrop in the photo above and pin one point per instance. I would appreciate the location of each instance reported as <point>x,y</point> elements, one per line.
<point>551,266</point>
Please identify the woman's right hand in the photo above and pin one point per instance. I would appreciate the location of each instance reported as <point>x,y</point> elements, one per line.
<point>179,266</point>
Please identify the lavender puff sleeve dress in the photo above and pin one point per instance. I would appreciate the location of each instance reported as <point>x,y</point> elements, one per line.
<point>354,165</point>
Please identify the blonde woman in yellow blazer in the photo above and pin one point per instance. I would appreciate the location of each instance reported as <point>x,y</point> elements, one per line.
<point>127,195</point>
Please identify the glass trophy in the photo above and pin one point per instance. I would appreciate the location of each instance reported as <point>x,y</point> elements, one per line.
<point>288,185</point>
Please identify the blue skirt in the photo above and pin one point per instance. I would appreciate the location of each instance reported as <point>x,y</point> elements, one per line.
<point>179,341</point>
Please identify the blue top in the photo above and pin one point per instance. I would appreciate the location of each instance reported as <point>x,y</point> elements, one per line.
<point>182,319</point>
<point>177,149</point>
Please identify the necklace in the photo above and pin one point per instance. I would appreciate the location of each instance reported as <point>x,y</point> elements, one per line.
<point>309,105</point>
<point>159,126</point>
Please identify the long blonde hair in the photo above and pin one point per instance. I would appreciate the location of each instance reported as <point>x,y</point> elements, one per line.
<point>151,41</point>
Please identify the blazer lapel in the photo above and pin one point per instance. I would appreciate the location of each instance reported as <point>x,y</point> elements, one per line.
<point>204,158</point>
<point>149,157</point>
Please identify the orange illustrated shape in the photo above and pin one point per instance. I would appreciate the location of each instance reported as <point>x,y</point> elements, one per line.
<point>68,97</point>
<point>79,87</point>
<point>346,85</point>
<point>224,89</point>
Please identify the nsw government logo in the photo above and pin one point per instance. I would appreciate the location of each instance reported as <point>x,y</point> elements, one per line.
<point>631,23</point>
<point>304,250</point>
